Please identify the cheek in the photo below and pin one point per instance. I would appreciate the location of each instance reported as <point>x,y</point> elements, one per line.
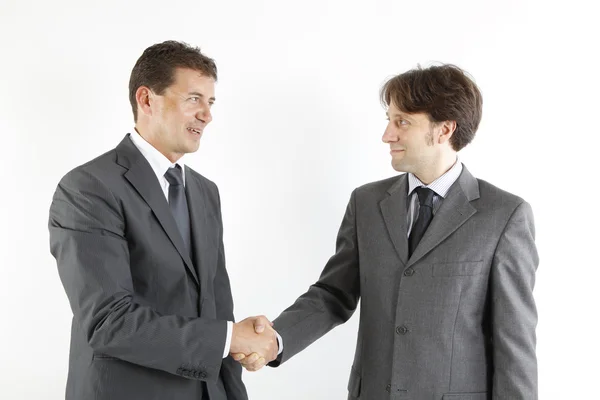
<point>403,138</point>
<point>166,107</point>
<point>177,117</point>
<point>174,111</point>
<point>164,113</point>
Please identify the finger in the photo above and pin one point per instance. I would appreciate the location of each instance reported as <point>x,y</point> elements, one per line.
<point>238,356</point>
<point>251,359</point>
<point>256,366</point>
<point>259,364</point>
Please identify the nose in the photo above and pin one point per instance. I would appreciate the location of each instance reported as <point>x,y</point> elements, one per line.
<point>204,114</point>
<point>389,135</point>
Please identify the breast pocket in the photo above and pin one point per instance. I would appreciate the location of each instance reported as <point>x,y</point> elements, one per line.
<point>461,268</point>
<point>100,356</point>
<point>466,396</point>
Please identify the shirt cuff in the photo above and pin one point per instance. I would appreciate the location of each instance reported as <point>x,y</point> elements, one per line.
<point>228,340</point>
<point>280,342</point>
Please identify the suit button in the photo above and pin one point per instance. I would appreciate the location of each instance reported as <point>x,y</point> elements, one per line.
<point>388,388</point>
<point>401,330</point>
<point>409,272</point>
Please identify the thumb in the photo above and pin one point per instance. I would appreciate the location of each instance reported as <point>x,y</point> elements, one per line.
<point>259,327</point>
<point>260,324</point>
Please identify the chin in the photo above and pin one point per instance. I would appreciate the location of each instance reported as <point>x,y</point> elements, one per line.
<point>399,167</point>
<point>193,148</point>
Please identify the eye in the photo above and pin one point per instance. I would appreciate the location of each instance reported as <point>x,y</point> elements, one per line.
<point>402,122</point>
<point>195,99</point>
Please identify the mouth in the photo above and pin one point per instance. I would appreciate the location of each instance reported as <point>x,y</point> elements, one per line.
<point>195,131</point>
<point>395,151</point>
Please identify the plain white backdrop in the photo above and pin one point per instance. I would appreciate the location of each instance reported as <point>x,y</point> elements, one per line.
<point>298,125</point>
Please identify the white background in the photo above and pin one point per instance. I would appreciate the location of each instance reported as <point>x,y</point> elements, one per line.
<point>297,125</point>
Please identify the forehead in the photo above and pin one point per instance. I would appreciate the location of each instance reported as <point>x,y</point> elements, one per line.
<point>395,112</point>
<point>188,79</point>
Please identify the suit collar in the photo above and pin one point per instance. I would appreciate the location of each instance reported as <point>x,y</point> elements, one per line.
<point>142,178</point>
<point>468,184</point>
<point>454,211</point>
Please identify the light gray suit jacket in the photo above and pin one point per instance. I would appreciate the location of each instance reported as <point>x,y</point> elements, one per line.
<point>149,319</point>
<point>456,321</point>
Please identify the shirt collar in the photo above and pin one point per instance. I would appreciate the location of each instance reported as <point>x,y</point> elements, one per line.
<point>159,163</point>
<point>441,185</point>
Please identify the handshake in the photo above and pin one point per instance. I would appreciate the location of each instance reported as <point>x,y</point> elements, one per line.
<point>254,343</point>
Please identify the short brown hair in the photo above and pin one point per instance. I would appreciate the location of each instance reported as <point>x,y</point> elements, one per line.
<point>444,92</point>
<point>156,67</point>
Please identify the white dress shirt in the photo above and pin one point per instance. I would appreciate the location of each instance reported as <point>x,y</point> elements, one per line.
<point>160,165</point>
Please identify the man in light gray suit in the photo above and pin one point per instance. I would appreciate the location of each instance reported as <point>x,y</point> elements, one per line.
<point>138,239</point>
<point>443,263</point>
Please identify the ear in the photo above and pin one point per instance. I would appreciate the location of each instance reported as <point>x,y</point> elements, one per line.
<point>447,129</point>
<point>145,99</point>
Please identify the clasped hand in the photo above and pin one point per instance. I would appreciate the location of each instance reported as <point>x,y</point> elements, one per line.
<point>254,342</point>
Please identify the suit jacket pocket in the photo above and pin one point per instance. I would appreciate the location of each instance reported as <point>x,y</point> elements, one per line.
<point>354,383</point>
<point>461,268</point>
<point>466,396</point>
<point>101,356</point>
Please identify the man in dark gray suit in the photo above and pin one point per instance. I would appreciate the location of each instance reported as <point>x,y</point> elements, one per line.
<point>444,263</point>
<point>138,239</point>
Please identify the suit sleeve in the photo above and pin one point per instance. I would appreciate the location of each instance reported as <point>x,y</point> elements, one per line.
<point>87,238</point>
<point>514,315</point>
<point>330,301</point>
<point>231,371</point>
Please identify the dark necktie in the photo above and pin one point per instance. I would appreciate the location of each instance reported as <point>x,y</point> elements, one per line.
<point>424,218</point>
<point>178,203</point>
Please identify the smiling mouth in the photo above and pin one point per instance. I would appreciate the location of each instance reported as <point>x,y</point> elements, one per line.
<point>196,131</point>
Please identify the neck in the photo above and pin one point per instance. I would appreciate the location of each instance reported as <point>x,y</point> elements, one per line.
<point>155,142</point>
<point>437,169</point>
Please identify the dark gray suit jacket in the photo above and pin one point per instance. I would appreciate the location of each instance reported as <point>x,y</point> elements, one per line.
<point>149,319</point>
<point>455,321</point>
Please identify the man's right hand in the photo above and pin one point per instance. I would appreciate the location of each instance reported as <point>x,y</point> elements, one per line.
<point>254,337</point>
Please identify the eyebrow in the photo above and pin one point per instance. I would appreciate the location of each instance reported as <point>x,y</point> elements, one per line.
<point>397,115</point>
<point>200,95</point>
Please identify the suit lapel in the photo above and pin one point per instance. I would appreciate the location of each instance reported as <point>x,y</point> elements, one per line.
<point>196,200</point>
<point>454,211</point>
<point>142,178</point>
<point>393,209</point>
